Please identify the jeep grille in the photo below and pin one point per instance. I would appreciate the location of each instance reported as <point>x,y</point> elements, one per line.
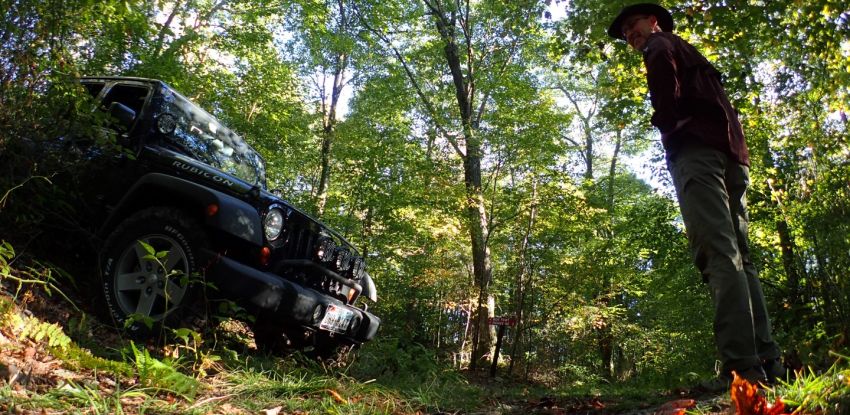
<point>300,243</point>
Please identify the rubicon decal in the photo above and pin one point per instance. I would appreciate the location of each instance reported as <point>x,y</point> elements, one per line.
<point>201,172</point>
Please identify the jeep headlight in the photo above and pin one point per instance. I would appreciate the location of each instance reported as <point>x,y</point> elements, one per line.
<point>343,258</point>
<point>358,267</point>
<point>325,249</point>
<point>273,224</point>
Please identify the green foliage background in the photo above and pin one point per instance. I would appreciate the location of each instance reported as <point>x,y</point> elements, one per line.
<point>584,237</point>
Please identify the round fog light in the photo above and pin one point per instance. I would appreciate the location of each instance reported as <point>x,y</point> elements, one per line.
<point>317,314</point>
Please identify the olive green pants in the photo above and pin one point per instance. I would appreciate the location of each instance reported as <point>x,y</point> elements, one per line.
<point>711,188</point>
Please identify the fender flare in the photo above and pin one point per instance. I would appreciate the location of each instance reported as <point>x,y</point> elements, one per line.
<point>369,289</point>
<point>234,216</point>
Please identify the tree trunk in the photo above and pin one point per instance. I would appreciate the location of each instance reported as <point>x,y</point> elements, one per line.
<point>329,132</point>
<point>480,252</point>
<point>786,244</point>
<point>522,272</point>
<point>790,260</point>
<point>340,64</point>
<point>607,342</point>
<point>476,209</point>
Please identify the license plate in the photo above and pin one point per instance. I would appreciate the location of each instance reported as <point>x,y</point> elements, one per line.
<point>336,319</point>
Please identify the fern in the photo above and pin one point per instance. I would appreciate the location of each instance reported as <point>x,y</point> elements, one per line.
<point>155,373</point>
<point>6,254</point>
<point>39,331</point>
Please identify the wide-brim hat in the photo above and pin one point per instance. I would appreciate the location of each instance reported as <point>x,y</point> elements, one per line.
<point>665,20</point>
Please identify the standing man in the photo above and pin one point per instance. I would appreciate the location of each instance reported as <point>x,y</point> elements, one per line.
<point>709,162</point>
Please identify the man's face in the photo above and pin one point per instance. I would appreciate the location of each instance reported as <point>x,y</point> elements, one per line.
<point>637,28</point>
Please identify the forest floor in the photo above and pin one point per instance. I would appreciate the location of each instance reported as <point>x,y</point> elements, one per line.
<point>535,399</point>
<point>54,359</point>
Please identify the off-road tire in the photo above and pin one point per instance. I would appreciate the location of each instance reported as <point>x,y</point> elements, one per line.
<point>134,286</point>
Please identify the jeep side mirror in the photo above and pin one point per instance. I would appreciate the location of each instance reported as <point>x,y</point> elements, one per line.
<point>122,113</point>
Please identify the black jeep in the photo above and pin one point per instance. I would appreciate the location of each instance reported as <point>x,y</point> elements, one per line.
<point>184,206</point>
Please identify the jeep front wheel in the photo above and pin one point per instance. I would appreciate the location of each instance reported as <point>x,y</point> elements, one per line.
<point>148,266</point>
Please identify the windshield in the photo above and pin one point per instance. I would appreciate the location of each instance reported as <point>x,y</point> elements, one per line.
<point>207,140</point>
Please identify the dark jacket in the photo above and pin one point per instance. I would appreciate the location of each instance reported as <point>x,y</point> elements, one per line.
<point>684,86</point>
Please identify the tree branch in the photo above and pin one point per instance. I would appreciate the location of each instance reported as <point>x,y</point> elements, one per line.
<point>432,113</point>
<point>501,71</point>
<point>160,38</point>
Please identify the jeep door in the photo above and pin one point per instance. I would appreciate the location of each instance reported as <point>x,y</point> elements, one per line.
<point>112,164</point>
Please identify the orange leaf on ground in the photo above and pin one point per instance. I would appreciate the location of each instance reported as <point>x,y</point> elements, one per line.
<point>677,407</point>
<point>337,397</point>
<point>748,400</point>
<point>596,403</point>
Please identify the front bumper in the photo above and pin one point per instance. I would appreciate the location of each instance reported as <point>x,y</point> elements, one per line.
<point>287,301</point>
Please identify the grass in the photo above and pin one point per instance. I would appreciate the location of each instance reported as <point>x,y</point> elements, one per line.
<point>143,383</point>
<point>808,393</point>
<point>112,375</point>
<point>95,371</point>
<point>827,392</point>
<point>311,392</point>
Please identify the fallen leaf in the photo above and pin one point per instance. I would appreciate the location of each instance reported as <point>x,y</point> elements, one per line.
<point>273,411</point>
<point>596,403</point>
<point>228,409</point>
<point>748,400</point>
<point>677,407</point>
<point>337,397</point>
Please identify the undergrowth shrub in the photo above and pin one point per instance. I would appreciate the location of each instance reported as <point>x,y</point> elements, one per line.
<point>417,373</point>
<point>162,375</point>
<point>393,358</point>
